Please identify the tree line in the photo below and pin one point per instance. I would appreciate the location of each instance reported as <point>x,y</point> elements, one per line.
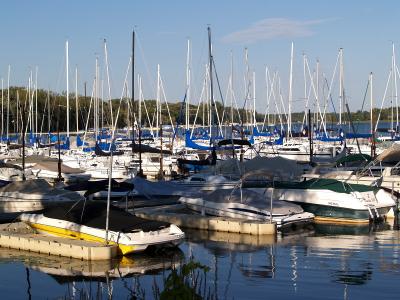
<point>49,108</point>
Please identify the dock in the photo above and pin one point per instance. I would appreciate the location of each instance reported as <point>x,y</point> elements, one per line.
<point>18,236</point>
<point>185,219</point>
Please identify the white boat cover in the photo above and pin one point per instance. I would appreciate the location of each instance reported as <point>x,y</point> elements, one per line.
<point>37,187</point>
<point>254,199</point>
<point>287,168</point>
<point>161,188</point>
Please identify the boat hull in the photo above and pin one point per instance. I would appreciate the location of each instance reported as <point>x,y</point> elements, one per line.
<point>126,242</point>
<point>240,211</point>
<point>327,205</point>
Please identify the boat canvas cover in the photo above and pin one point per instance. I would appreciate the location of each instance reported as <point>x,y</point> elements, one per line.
<point>325,184</point>
<point>38,186</point>
<point>94,213</point>
<point>253,199</point>
<point>287,168</point>
<point>162,188</point>
<point>36,159</point>
<point>53,167</point>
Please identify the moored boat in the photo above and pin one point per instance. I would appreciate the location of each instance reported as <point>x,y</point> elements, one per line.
<point>31,195</point>
<point>335,201</point>
<point>248,205</point>
<point>86,220</point>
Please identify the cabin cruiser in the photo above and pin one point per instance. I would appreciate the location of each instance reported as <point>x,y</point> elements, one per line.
<point>332,200</point>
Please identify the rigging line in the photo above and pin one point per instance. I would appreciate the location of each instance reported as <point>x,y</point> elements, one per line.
<point>179,120</point>
<point>365,96</point>
<point>150,78</point>
<point>333,104</point>
<point>222,99</point>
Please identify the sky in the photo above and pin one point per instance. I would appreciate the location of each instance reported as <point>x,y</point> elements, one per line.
<point>34,35</point>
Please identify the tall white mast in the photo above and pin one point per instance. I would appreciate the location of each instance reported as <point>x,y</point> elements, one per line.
<point>76,101</point>
<point>109,85</point>
<point>290,93</point>
<point>67,71</point>
<point>341,85</point>
<point>395,87</point>
<point>231,87</point>
<point>372,104</point>
<point>36,104</point>
<point>96,99</point>
<point>317,94</point>
<point>188,79</point>
<point>140,100</point>
<point>247,82</point>
<point>8,99</point>
<point>158,101</point>
<point>268,98</point>
<point>254,99</point>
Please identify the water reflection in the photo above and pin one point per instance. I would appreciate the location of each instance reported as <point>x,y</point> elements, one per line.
<point>335,261</point>
<point>64,269</point>
<point>70,271</point>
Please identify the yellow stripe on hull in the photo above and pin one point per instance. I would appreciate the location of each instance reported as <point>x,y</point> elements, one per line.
<point>62,232</point>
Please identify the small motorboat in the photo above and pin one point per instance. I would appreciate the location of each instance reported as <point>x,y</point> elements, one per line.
<point>86,220</point>
<point>249,205</point>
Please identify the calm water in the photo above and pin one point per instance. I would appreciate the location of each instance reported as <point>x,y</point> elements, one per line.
<point>328,262</point>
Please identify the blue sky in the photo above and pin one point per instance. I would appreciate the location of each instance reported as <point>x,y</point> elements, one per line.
<point>34,34</point>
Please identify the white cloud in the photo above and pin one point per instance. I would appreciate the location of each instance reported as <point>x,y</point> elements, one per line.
<point>273,28</point>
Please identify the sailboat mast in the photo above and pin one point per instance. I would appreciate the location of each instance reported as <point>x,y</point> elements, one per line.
<point>187,114</point>
<point>372,116</point>
<point>36,103</point>
<point>372,104</point>
<point>8,99</point>
<point>2,109</point>
<point>290,93</point>
<point>212,108</point>
<point>231,87</point>
<point>67,71</point>
<point>158,113</point>
<point>48,113</point>
<point>76,101</point>
<point>95,98</point>
<point>340,85</point>
<point>140,171</point>
<point>18,112</point>
<point>395,88</point>
<point>109,85</point>
<point>254,99</point>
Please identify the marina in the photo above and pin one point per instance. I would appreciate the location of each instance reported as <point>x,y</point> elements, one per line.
<point>161,151</point>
